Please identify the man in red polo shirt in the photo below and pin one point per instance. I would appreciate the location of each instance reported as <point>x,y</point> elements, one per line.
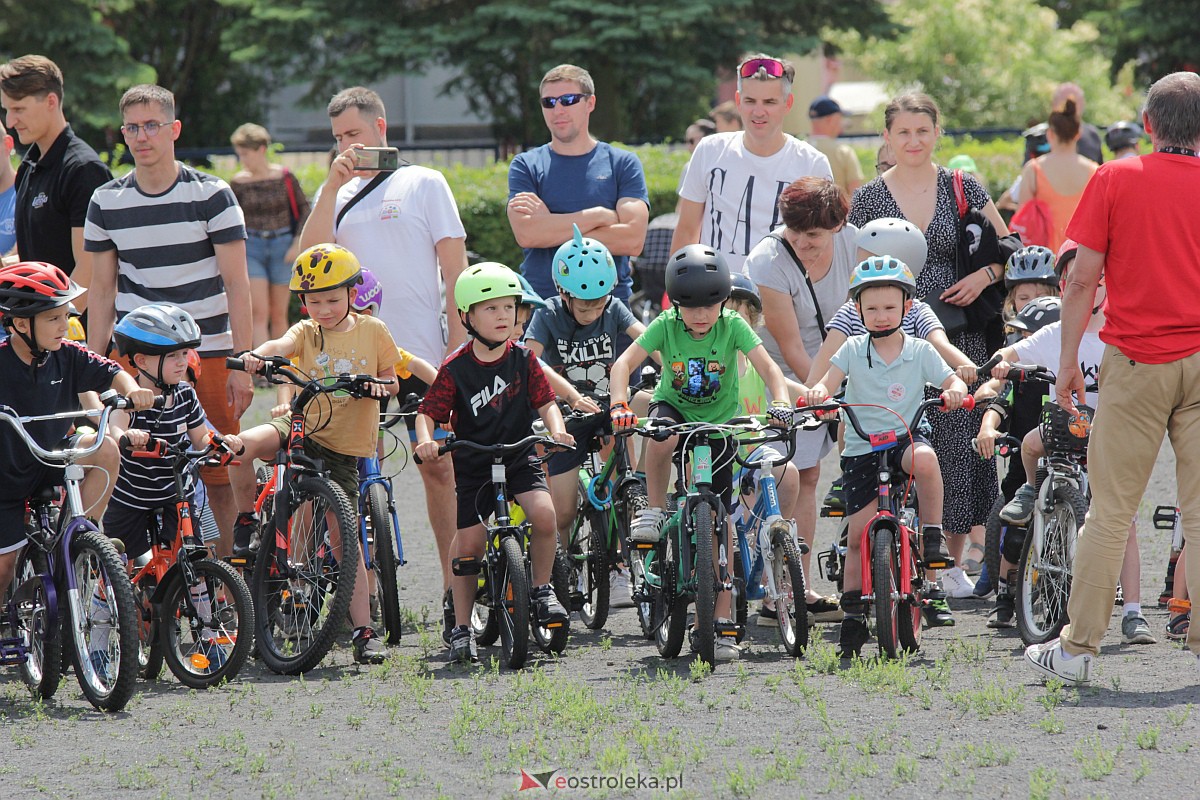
<point>1135,227</point>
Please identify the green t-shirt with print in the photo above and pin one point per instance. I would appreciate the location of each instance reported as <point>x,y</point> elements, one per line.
<point>699,375</point>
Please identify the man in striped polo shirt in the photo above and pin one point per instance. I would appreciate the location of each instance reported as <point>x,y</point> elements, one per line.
<point>167,233</point>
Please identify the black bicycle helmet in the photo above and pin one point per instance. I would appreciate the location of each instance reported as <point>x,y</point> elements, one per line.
<point>744,289</point>
<point>1122,134</point>
<point>697,275</point>
<point>28,288</point>
<point>156,329</point>
<point>1033,264</point>
<point>1037,314</point>
<point>1036,143</point>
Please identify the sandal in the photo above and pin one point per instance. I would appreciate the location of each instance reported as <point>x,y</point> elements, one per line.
<point>972,566</point>
<point>1180,619</point>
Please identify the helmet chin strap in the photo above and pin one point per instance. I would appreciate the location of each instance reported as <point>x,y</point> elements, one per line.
<point>488,343</point>
<point>38,355</point>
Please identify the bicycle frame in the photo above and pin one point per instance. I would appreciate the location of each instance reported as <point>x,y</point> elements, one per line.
<point>756,524</point>
<point>885,515</point>
<point>370,474</point>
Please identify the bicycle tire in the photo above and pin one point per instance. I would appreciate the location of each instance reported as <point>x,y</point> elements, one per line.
<point>513,603</point>
<point>98,569</point>
<point>43,664</point>
<point>791,607</point>
<point>150,648</point>
<point>298,617</point>
<point>485,622</point>
<point>993,532</point>
<point>908,623</point>
<point>885,578</point>
<point>1045,570</point>
<point>741,604</point>
<point>592,566</point>
<point>671,608</point>
<point>554,640</point>
<point>706,583</point>
<point>187,655</point>
<point>386,563</point>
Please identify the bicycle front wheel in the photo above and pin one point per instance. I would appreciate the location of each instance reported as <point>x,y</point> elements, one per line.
<point>150,652</point>
<point>207,642</point>
<point>909,623</point>
<point>104,623</point>
<point>706,583</point>
<point>42,641</point>
<point>301,590</point>
<point>885,577</point>
<point>512,589</point>
<point>993,533</point>
<point>386,562</point>
<point>1044,574</point>
<point>790,605</point>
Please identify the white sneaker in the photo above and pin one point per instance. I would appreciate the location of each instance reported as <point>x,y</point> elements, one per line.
<point>1050,660</point>
<point>620,593</point>
<point>957,584</point>
<point>647,526</point>
<point>726,649</point>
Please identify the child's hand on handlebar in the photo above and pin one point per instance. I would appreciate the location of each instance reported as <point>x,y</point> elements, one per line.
<point>967,372</point>
<point>622,416</point>
<point>952,399</point>
<point>985,442</point>
<point>586,404</point>
<point>564,438</point>
<point>428,451</point>
<point>233,443</point>
<point>378,390</point>
<point>1001,370</point>
<point>780,415</point>
<point>816,396</point>
<point>142,399</point>
<point>281,410</point>
<point>137,439</point>
<point>251,362</point>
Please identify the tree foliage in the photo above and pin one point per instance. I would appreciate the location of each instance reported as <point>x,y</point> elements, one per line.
<point>655,62</point>
<point>1157,36</point>
<point>992,64</point>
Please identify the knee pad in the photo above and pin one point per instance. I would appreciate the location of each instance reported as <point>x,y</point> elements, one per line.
<point>1011,542</point>
<point>466,565</point>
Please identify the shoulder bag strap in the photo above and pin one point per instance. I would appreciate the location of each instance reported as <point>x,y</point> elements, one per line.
<point>807,280</point>
<point>363,192</point>
<point>960,193</point>
<point>289,182</point>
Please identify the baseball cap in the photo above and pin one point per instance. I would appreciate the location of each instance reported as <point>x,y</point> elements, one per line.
<point>823,106</point>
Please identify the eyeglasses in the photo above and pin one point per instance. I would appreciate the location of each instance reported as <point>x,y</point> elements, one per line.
<point>132,129</point>
<point>773,66</point>
<point>565,99</point>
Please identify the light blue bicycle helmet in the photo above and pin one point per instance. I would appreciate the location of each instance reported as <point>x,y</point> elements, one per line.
<point>1033,264</point>
<point>882,271</point>
<point>528,296</point>
<point>584,269</point>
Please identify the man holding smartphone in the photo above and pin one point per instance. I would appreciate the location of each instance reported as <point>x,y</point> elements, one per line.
<point>575,180</point>
<point>404,226</point>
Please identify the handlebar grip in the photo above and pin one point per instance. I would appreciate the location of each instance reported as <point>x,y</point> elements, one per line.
<point>969,403</point>
<point>233,362</point>
<point>986,367</point>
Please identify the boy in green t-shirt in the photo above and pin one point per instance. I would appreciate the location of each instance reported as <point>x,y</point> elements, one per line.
<point>699,340</point>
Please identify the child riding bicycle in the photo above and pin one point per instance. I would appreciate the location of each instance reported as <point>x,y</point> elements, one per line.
<point>699,340</point>
<point>491,397</point>
<point>41,372</point>
<point>335,340</point>
<point>886,368</point>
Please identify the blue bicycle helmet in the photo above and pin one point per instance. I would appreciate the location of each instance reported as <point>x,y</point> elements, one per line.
<point>882,271</point>
<point>528,296</point>
<point>1033,264</point>
<point>1037,314</point>
<point>744,289</point>
<point>583,268</point>
<point>156,329</point>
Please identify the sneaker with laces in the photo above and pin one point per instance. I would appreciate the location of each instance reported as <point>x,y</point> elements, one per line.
<point>462,646</point>
<point>853,636</point>
<point>647,526</point>
<point>983,586</point>
<point>957,584</point>
<point>937,611</point>
<point>620,593</point>
<point>836,498</point>
<point>1018,510</point>
<point>1052,661</point>
<point>547,609</point>
<point>368,647</point>
<point>725,648</point>
<point>933,550</point>
<point>1003,612</point>
<point>1135,629</point>
<point>447,615</point>
<point>243,531</point>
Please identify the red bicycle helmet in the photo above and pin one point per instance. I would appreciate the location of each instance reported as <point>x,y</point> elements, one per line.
<point>28,288</point>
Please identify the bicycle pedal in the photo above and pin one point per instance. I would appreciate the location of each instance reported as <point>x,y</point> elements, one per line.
<point>946,563</point>
<point>732,630</point>
<point>552,625</point>
<point>804,548</point>
<point>833,512</point>
<point>577,601</point>
<point>643,545</point>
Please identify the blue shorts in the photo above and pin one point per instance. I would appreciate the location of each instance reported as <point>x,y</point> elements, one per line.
<point>266,255</point>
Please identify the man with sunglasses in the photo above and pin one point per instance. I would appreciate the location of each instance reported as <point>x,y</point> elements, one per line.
<point>60,171</point>
<point>575,180</point>
<point>730,191</point>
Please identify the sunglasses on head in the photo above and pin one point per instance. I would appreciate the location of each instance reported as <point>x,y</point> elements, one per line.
<point>565,99</point>
<point>773,66</point>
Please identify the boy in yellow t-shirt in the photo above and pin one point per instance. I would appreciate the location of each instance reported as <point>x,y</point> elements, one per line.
<point>333,341</point>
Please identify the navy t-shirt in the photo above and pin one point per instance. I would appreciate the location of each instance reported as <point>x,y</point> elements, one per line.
<point>582,355</point>
<point>567,184</point>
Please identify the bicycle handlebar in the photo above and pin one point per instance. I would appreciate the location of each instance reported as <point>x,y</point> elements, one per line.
<point>935,402</point>
<point>278,370</point>
<point>159,448</point>
<point>111,402</point>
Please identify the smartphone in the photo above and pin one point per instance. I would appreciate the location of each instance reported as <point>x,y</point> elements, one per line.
<point>376,158</point>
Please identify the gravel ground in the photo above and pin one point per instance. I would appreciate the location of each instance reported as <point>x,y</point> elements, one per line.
<point>965,718</point>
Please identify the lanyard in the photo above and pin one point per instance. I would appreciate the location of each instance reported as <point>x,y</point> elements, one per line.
<point>1177,151</point>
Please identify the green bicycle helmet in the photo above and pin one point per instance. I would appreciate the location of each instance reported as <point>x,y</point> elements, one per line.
<point>484,282</point>
<point>584,268</point>
<point>882,271</point>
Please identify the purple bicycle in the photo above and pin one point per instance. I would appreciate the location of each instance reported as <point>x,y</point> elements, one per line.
<point>70,580</point>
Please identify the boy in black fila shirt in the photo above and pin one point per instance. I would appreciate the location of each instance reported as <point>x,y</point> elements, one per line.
<point>492,399</point>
